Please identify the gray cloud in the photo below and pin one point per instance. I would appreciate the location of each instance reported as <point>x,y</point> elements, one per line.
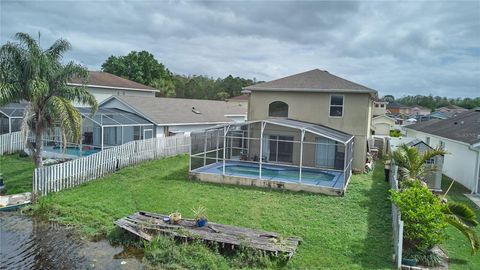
<point>396,48</point>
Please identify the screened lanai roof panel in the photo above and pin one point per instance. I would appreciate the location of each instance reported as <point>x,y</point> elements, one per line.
<point>313,128</point>
<point>13,110</point>
<point>114,117</point>
<point>320,130</point>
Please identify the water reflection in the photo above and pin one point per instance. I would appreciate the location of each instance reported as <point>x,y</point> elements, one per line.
<point>27,243</point>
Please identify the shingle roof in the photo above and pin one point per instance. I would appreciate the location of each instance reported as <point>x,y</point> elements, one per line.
<point>464,128</point>
<point>452,107</point>
<point>99,78</point>
<point>394,105</point>
<point>182,111</point>
<point>313,80</point>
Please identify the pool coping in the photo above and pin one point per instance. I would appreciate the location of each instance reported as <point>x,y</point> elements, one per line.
<point>204,176</point>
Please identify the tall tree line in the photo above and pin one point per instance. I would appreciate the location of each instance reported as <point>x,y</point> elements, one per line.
<point>434,102</point>
<point>142,67</point>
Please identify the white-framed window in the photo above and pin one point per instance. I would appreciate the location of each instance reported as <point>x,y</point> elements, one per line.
<point>382,105</point>
<point>376,105</point>
<point>336,105</point>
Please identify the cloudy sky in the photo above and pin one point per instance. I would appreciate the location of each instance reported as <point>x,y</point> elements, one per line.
<point>414,47</point>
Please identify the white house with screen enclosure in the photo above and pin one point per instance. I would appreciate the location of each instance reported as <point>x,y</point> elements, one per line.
<point>177,115</point>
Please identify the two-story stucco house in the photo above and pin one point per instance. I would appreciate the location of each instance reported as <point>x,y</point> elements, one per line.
<point>321,98</point>
<point>103,85</point>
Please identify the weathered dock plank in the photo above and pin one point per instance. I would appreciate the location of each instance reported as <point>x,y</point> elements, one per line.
<point>149,225</point>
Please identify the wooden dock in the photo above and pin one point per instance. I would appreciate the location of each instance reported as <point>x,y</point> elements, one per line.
<point>149,225</point>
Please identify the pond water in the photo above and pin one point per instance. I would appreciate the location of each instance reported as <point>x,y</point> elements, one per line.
<point>27,243</point>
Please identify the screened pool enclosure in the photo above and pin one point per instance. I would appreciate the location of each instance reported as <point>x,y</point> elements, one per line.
<point>276,153</point>
<point>108,127</point>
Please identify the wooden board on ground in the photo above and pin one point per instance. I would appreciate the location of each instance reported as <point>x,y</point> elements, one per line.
<point>149,225</point>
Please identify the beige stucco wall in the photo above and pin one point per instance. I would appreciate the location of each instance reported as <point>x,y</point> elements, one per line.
<point>103,93</point>
<point>383,125</point>
<point>379,110</point>
<point>314,108</point>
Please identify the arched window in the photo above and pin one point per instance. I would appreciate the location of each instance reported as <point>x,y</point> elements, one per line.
<point>278,109</point>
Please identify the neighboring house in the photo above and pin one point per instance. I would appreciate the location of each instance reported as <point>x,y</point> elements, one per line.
<point>451,110</point>
<point>379,107</point>
<point>382,124</point>
<point>460,137</point>
<point>241,101</point>
<point>438,115</point>
<point>417,110</point>
<point>103,85</point>
<point>177,115</point>
<point>320,98</point>
<point>397,108</point>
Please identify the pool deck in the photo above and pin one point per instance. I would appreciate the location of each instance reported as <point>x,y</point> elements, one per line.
<point>212,173</point>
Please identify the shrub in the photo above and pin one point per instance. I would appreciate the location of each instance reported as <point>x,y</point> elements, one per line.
<point>395,133</point>
<point>426,257</point>
<point>424,221</point>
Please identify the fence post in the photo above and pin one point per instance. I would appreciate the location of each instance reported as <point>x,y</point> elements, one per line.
<point>76,172</point>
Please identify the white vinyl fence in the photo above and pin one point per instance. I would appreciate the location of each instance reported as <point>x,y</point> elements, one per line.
<point>11,143</point>
<point>397,222</point>
<point>78,171</point>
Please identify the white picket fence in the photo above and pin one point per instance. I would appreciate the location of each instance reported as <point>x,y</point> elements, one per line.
<point>11,143</point>
<point>397,221</point>
<point>78,171</point>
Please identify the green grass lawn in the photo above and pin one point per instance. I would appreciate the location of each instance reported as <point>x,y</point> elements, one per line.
<point>17,173</point>
<point>457,246</point>
<point>350,232</point>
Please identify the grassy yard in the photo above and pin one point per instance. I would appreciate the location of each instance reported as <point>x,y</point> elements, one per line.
<point>456,246</point>
<point>17,173</point>
<point>350,232</point>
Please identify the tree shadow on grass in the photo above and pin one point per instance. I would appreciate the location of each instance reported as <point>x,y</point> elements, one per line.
<point>376,250</point>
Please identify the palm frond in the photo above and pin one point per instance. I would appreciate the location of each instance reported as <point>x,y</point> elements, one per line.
<point>8,93</point>
<point>58,48</point>
<point>67,116</point>
<point>462,211</point>
<point>29,42</point>
<point>468,232</point>
<point>80,95</point>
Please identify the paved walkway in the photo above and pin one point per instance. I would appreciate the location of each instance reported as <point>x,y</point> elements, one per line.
<point>474,198</point>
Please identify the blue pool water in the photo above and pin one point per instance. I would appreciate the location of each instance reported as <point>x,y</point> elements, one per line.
<point>277,172</point>
<point>73,151</point>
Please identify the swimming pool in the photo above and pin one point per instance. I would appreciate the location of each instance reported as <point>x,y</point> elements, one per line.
<point>71,151</point>
<point>276,172</point>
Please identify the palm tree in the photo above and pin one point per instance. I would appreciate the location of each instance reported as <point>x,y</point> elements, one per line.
<point>411,164</point>
<point>464,219</point>
<point>36,76</point>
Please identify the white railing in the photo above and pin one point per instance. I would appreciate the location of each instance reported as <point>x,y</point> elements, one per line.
<point>397,221</point>
<point>11,143</point>
<point>78,171</point>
